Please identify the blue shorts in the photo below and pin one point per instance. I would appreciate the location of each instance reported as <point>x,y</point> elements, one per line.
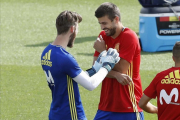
<point>78,119</point>
<point>105,115</point>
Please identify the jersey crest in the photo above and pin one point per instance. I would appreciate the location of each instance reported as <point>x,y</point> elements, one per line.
<point>117,47</point>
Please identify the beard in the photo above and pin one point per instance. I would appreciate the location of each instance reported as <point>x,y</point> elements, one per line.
<point>71,40</point>
<point>112,31</point>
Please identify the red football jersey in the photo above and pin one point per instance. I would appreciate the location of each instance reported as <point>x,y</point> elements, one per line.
<point>166,87</point>
<point>114,96</point>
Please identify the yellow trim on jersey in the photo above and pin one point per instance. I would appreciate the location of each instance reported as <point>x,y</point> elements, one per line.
<point>71,98</point>
<point>131,92</point>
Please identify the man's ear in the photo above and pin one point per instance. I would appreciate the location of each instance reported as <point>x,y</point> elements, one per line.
<point>116,19</point>
<point>173,58</point>
<point>72,29</point>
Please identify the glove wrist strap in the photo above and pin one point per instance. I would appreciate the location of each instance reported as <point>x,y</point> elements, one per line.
<point>91,71</point>
<point>107,67</point>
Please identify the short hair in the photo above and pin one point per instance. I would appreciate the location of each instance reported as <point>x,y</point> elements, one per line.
<point>109,9</point>
<point>176,51</point>
<point>65,20</point>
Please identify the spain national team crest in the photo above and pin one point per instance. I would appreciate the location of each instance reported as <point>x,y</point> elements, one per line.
<point>117,47</point>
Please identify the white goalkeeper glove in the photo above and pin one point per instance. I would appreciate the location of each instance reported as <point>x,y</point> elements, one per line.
<point>106,60</point>
<point>110,59</point>
<point>97,65</point>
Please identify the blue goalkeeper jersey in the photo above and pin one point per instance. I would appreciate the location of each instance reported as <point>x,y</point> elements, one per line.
<point>60,67</point>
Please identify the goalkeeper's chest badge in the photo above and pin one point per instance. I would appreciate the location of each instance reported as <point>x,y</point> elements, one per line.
<point>117,47</point>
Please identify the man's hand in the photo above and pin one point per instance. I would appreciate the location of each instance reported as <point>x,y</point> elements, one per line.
<point>123,79</point>
<point>105,59</point>
<point>99,44</point>
<point>110,59</point>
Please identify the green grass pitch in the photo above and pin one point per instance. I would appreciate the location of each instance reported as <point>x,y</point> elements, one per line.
<point>27,26</point>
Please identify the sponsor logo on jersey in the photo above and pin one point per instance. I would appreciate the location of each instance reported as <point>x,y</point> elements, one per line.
<point>49,77</point>
<point>168,98</point>
<point>46,59</point>
<point>172,78</point>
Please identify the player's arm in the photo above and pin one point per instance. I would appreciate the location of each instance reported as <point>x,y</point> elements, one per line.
<point>90,83</point>
<point>146,105</point>
<point>94,76</point>
<point>119,72</point>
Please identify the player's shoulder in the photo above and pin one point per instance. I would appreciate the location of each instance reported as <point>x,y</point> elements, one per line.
<point>103,34</point>
<point>165,72</point>
<point>46,49</point>
<point>63,54</point>
<point>66,56</point>
<point>129,32</point>
<point>58,52</point>
<point>129,36</point>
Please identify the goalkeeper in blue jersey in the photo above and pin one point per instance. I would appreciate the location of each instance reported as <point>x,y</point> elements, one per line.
<point>64,74</point>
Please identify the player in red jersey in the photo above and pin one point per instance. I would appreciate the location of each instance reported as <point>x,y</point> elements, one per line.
<point>121,89</point>
<point>166,87</point>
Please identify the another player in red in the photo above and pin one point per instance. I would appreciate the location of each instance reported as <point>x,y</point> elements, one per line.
<point>121,89</point>
<point>166,87</point>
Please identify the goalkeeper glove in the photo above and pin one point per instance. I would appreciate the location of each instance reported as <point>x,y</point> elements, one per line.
<point>110,59</point>
<point>97,65</point>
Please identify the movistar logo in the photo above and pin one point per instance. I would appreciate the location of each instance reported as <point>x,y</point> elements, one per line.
<point>46,59</point>
<point>168,98</point>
